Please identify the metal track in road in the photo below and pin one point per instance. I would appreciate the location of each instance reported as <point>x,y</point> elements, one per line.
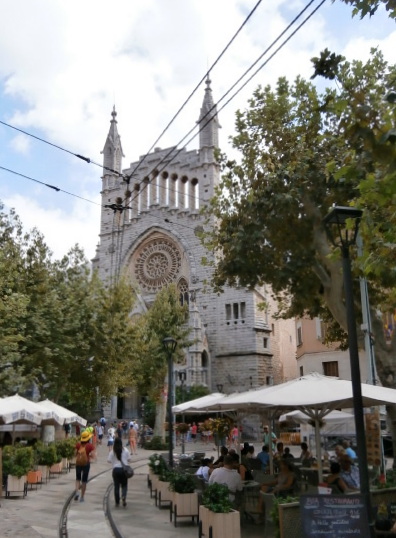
<point>63,533</point>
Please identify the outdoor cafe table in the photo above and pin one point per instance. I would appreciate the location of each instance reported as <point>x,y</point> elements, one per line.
<point>311,474</point>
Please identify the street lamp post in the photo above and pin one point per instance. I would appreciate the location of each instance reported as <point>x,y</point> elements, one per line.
<point>170,346</point>
<point>182,377</point>
<point>343,237</point>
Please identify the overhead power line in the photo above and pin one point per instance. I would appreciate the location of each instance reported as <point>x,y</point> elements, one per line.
<point>165,160</point>
<point>57,189</point>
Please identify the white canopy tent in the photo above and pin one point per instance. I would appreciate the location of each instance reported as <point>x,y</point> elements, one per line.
<point>199,405</point>
<point>16,409</point>
<point>314,394</point>
<point>69,417</point>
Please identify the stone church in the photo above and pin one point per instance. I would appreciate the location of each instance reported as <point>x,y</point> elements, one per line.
<point>237,345</point>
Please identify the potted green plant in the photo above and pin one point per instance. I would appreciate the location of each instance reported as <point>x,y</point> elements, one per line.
<point>17,462</point>
<point>163,493</point>
<point>221,429</point>
<point>216,513</point>
<point>156,466</point>
<point>46,457</point>
<point>185,498</point>
<point>66,449</point>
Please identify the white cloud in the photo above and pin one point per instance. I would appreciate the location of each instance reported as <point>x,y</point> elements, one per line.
<point>64,64</point>
<point>21,144</point>
<point>62,229</point>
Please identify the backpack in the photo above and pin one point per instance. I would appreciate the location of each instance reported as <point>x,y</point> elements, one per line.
<point>81,458</point>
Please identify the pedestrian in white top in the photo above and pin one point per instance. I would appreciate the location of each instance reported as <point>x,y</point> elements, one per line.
<point>228,476</point>
<point>116,456</point>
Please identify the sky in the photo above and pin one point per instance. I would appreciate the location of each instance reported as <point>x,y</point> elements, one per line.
<point>64,64</point>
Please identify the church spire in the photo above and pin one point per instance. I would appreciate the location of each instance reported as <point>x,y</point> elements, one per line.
<point>208,121</point>
<point>112,151</point>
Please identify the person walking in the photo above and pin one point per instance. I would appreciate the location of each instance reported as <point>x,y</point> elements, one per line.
<point>133,435</point>
<point>84,456</point>
<point>118,456</point>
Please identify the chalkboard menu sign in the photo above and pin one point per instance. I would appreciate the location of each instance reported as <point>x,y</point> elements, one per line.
<point>334,516</point>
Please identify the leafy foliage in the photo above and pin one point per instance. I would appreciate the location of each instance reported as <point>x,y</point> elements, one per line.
<point>216,498</point>
<point>303,151</point>
<point>369,7</point>
<point>182,482</point>
<point>17,461</point>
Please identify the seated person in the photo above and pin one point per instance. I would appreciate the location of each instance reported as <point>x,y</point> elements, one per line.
<point>220,460</point>
<point>349,450</point>
<point>227,475</point>
<point>264,457</point>
<point>335,480</point>
<point>287,455</point>
<point>243,470</point>
<point>285,481</point>
<point>205,468</point>
<point>339,452</point>
<point>305,455</point>
<point>349,473</point>
<point>279,451</point>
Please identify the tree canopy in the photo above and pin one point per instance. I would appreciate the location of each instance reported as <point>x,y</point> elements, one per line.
<point>301,152</point>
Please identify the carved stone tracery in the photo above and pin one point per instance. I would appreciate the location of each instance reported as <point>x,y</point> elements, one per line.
<point>158,263</point>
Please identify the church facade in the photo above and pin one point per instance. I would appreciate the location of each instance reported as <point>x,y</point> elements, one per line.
<point>150,227</point>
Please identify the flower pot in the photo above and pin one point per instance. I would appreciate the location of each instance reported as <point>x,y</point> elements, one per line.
<point>184,505</point>
<point>16,486</point>
<point>203,521</point>
<point>44,472</point>
<point>163,493</point>
<point>225,525</point>
<point>34,478</point>
<point>154,485</point>
<point>56,468</point>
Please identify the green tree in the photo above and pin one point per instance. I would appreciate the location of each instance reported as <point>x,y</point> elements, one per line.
<point>302,151</point>
<point>369,7</point>
<point>166,317</point>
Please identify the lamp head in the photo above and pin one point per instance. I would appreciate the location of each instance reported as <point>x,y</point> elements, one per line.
<point>337,227</point>
<point>169,344</point>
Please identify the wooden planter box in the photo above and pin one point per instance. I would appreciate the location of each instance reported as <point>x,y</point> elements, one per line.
<point>44,472</point>
<point>16,486</point>
<point>184,505</point>
<point>65,465</point>
<point>34,478</point>
<point>154,485</point>
<point>163,494</point>
<point>213,525</point>
<point>56,468</point>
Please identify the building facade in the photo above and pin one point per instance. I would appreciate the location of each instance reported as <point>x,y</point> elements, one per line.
<point>157,241</point>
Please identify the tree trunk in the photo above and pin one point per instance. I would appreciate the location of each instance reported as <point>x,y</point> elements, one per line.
<point>160,415</point>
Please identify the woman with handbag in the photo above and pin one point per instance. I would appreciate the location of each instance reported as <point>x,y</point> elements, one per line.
<point>119,457</point>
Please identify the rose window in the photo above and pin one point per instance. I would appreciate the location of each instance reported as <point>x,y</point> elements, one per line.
<point>157,264</point>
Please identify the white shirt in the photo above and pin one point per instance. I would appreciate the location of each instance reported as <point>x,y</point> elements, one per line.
<point>229,477</point>
<point>112,458</point>
<point>204,472</point>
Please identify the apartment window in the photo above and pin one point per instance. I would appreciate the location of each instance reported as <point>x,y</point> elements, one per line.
<point>243,310</point>
<point>330,368</point>
<point>273,328</point>
<point>265,343</point>
<point>299,336</point>
<point>269,380</point>
<point>235,309</point>
<point>228,311</point>
<point>301,371</point>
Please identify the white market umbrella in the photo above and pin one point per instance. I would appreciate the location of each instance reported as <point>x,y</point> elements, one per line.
<point>18,410</point>
<point>334,417</point>
<point>314,394</point>
<point>69,417</point>
<point>199,404</point>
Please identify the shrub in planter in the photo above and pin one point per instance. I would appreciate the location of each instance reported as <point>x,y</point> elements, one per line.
<point>275,511</point>
<point>181,482</point>
<point>157,464</point>
<point>66,448</point>
<point>216,498</point>
<point>47,454</point>
<point>17,461</point>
